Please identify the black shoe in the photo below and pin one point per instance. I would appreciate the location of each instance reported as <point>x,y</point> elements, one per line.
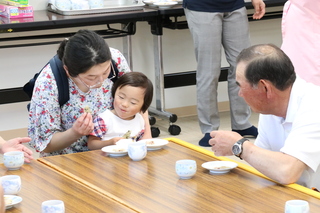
<point>205,140</point>
<point>250,132</point>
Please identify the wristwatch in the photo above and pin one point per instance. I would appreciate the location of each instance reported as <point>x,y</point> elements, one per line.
<point>237,147</point>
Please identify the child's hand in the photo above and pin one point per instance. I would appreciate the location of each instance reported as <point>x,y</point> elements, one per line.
<point>116,139</point>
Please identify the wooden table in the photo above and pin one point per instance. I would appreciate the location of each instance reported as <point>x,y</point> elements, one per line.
<point>151,185</point>
<point>40,183</point>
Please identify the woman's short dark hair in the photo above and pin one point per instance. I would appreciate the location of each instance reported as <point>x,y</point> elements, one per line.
<point>269,62</point>
<point>82,51</point>
<point>136,79</point>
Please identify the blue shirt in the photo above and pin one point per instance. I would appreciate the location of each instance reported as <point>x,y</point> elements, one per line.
<point>213,5</point>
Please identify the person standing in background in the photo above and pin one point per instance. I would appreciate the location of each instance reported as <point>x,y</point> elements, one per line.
<point>300,37</point>
<point>213,24</point>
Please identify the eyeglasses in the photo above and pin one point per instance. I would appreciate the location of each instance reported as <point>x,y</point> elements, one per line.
<point>91,86</point>
<point>113,72</point>
<point>99,83</point>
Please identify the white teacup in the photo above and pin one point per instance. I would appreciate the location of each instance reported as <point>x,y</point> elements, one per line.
<point>137,150</point>
<point>186,169</point>
<point>13,160</point>
<point>297,206</point>
<point>63,4</point>
<point>11,184</point>
<point>49,206</point>
<point>96,4</point>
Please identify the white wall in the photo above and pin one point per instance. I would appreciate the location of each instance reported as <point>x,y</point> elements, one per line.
<point>18,65</point>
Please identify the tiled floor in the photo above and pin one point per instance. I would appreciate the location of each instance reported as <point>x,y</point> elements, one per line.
<point>190,130</point>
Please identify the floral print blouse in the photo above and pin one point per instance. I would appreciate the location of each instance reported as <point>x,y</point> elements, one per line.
<point>46,117</point>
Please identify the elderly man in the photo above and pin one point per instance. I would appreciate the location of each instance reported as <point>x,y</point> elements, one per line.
<point>287,148</point>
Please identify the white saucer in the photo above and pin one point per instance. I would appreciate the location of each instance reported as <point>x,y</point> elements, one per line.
<point>165,5</point>
<point>178,1</point>
<point>219,167</point>
<point>115,150</point>
<point>14,200</point>
<point>155,143</point>
<point>124,142</point>
<point>150,3</point>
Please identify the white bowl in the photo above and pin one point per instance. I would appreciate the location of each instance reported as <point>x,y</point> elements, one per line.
<point>150,3</point>
<point>155,143</point>
<point>124,142</point>
<point>11,184</point>
<point>50,206</point>
<point>186,169</point>
<point>165,5</point>
<point>11,200</point>
<point>13,160</point>
<point>115,150</point>
<point>137,150</point>
<point>219,167</point>
<point>178,1</point>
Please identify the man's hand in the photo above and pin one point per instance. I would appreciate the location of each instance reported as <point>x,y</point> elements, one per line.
<point>222,142</point>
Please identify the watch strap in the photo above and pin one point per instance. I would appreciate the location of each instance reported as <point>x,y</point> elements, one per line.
<point>240,142</point>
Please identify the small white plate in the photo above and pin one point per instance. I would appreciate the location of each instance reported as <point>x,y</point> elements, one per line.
<point>219,167</point>
<point>155,144</point>
<point>115,150</point>
<point>11,200</point>
<point>124,142</point>
<point>150,3</point>
<point>178,1</point>
<point>165,5</point>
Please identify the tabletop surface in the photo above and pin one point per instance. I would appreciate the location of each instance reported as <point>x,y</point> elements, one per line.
<point>40,183</point>
<point>151,185</point>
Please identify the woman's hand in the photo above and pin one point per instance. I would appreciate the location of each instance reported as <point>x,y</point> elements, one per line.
<point>83,125</point>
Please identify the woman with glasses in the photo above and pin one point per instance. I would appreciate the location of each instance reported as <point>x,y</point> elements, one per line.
<point>87,61</point>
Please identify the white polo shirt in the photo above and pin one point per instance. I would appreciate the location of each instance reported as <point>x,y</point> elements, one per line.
<point>298,134</point>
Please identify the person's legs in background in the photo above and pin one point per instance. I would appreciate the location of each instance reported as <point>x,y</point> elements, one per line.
<point>206,31</point>
<point>236,38</point>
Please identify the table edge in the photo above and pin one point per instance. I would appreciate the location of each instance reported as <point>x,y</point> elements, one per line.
<point>243,166</point>
<point>86,184</point>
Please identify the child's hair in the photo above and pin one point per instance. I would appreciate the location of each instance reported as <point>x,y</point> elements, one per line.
<point>136,79</point>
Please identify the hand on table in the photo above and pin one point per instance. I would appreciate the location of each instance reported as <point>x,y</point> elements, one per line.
<point>222,142</point>
<point>15,144</point>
